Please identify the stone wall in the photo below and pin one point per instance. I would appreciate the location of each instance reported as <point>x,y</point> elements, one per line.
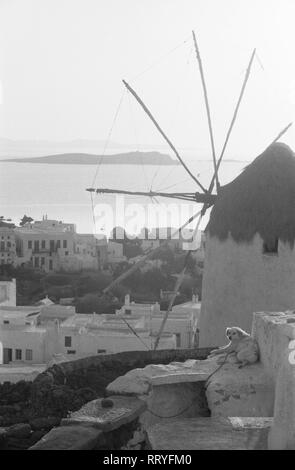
<point>66,387</point>
<point>273,331</point>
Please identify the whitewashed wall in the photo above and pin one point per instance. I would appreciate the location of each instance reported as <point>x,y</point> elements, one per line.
<point>239,280</point>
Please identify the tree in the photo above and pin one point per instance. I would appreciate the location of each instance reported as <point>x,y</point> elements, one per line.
<point>131,249</point>
<point>25,220</point>
<point>155,280</point>
<point>93,303</point>
<point>5,222</point>
<point>94,283</point>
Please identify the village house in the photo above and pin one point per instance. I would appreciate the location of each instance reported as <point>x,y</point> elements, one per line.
<point>182,320</point>
<point>90,334</point>
<point>92,252</point>
<point>35,335</point>
<point>8,293</point>
<point>53,245</point>
<point>45,245</point>
<point>115,253</point>
<point>7,246</point>
<point>20,337</point>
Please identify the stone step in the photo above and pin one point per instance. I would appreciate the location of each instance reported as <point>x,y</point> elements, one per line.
<point>234,433</point>
<point>123,411</point>
<point>69,438</point>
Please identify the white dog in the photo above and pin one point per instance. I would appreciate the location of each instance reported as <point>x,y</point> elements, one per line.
<point>242,349</point>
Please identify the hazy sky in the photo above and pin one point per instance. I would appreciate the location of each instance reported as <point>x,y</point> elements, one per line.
<point>62,61</point>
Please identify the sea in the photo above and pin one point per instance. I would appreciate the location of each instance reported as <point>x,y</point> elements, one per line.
<point>59,191</point>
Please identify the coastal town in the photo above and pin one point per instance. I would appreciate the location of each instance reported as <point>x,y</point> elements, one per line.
<point>147,228</point>
<point>49,326</point>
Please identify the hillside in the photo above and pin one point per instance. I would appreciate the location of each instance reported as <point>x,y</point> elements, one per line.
<point>129,158</point>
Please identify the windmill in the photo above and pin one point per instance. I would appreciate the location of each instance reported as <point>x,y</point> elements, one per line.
<point>203,196</point>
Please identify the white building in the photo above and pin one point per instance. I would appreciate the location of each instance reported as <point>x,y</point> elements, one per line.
<point>35,335</point>
<point>115,252</point>
<point>7,246</point>
<point>29,335</point>
<point>53,245</point>
<point>91,252</point>
<point>20,339</point>
<point>182,320</point>
<point>86,335</point>
<point>8,293</point>
<point>250,256</point>
<point>50,313</point>
<point>47,248</point>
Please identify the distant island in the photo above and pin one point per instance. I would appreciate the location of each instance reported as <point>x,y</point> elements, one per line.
<point>128,158</point>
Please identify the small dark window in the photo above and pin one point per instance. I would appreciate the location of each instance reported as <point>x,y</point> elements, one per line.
<point>128,311</point>
<point>71,351</point>
<point>271,247</point>
<point>29,355</point>
<point>64,243</point>
<point>18,354</point>
<point>30,243</point>
<point>6,322</point>
<point>68,341</point>
<point>178,340</point>
<point>43,244</point>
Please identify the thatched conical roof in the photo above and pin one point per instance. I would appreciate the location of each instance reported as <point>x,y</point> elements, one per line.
<point>260,200</point>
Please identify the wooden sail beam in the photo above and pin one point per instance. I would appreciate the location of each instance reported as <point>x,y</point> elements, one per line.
<point>177,286</point>
<point>234,117</point>
<point>282,133</point>
<point>194,197</point>
<point>147,111</point>
<point>207,109</point>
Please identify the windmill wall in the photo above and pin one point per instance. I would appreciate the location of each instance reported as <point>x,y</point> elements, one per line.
<point>240,279</point>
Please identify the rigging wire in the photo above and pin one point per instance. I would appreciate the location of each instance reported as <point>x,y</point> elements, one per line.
<point>92,210</point>
<point>136,137</point>
<point>104,151</point>
<point>134,332</point>
<point>259,61</point>
<point>176,110</point>
<point>175,184</point>
<point>160,59</point>
<point>147,111</point>
<point>109,136</point>
<point>208,112</point>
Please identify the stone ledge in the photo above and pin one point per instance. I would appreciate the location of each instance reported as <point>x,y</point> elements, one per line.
<point>190,371</point>
<point>140,381</point>
<point>124,410</point>
<point>240,392</point>
<point>69,438</point>
<point>210,434</point>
